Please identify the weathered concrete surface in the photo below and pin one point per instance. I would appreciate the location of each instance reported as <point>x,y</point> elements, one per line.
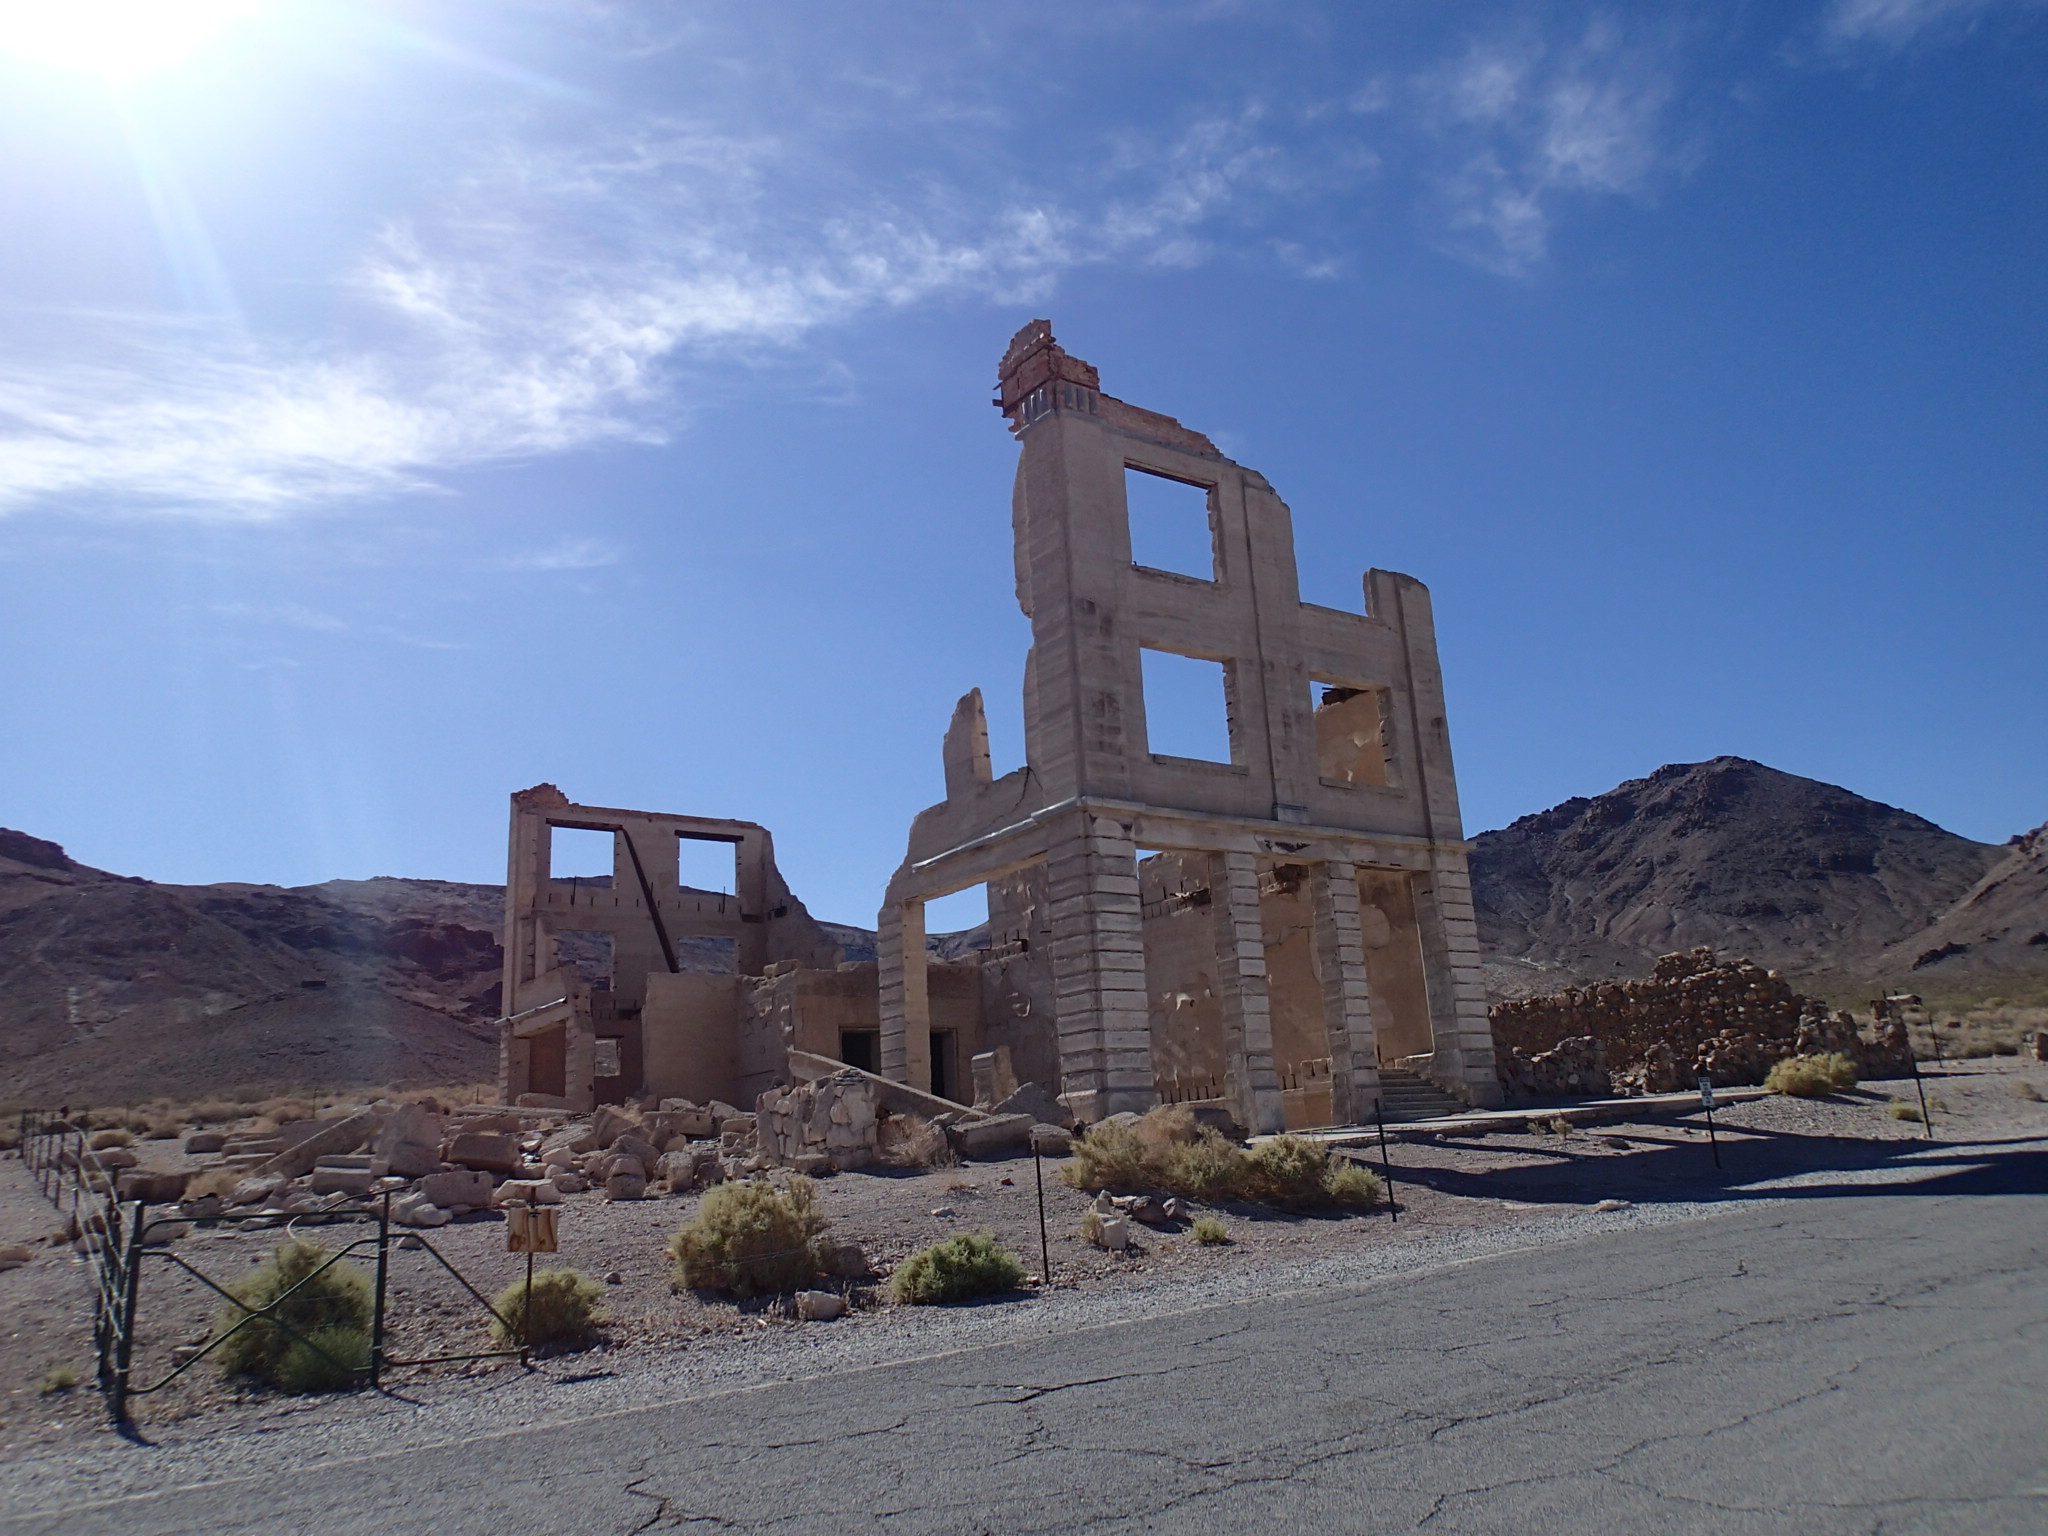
<point>1837,1363</point>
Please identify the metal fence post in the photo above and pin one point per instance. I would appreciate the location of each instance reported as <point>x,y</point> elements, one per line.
<point>383,1270</point>
<point>124,1338</point>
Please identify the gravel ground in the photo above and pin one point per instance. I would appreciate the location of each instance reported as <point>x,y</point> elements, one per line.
<point>1460,1199</point>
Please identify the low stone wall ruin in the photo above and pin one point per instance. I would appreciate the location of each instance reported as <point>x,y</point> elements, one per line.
<point>1693,1016</point>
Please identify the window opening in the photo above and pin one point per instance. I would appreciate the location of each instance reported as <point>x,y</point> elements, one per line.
<point>956,926</point>
<point>579,853</point>
<point>1351,733</point>
<point>861,1048</point>
<point>707,864</point>
<point>1188,707</point>
<point>1171,527</point>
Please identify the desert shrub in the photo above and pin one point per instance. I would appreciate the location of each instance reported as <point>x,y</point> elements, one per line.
<point>214,1181</point>
<point>566,1309</point>
<point>297,1295</point>
<point>59,1378</point>
<point>1109,1157</point>
<point>10,1135</point>
<point>2026,1090</point>
<point>1812,1077</point>
<point>1091,1227</point>
<point>326,1360</point>
<point>214,1112</point>
<point>1349,1183</point>
<point>1899,1109</point>
<point>1207,1168</point>
<point>284,1111</point>
<point>1559,1126</point>
<point>962,1267</point>
<point>104,1140</point>
<point>1209,1232</point>
<point>749,1238</point>
<point>165,1127</point>
<point>246,1096</point>
<point>1288,1170</point>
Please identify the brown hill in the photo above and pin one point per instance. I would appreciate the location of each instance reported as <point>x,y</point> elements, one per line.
<point>120,988</point>
<point>1993,940</point>
<point>1797,875</point>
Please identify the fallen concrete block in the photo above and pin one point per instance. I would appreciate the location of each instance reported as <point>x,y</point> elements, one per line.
<point>530,1191</point>
<point>625,1186</point>
<point>484,1151</point>
<point>992,1137</point>
<point>462,1186</point>
<point>325,1136</point>
<point>819,1306</point>
<point>341,1181</point>
<point>1041,1104</point>
<point>154,1188</point>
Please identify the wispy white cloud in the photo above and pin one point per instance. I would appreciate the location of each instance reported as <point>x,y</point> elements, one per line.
<point>1530,124</point>
<point>568,555</point>
<point>1895,23</point>
<point>559,300</point>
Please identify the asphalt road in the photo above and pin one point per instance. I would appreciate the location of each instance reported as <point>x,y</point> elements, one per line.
<point>1870,1362</point>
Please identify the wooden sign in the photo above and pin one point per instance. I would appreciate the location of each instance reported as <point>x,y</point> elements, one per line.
<point>530,1228</point>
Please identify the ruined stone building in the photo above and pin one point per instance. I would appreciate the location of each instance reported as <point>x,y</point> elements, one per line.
<point>1271,933</point>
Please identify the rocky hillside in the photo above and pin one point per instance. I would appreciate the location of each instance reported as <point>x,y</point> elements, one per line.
<point>1837,891</point>
<point>115,988</point>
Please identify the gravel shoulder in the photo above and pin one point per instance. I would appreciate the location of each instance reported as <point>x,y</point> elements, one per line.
<point>1460,1200</point>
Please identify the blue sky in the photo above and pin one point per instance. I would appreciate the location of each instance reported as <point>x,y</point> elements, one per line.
<point>401,404</point>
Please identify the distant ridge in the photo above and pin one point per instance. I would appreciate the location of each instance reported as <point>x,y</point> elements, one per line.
<point>113,987</point>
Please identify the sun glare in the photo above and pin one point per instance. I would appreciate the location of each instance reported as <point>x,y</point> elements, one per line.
<point>116,39</point>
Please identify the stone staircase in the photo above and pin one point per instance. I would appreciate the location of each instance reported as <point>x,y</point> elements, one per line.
<point>1408,1096</point>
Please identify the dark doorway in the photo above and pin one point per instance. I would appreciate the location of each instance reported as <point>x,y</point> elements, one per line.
<point>942,1064</point>
<point>861,1048</point>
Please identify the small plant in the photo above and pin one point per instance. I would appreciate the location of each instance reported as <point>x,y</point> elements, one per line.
<point>1812,1077</point>
<point>1206,1168</point>
<point>1559,1126</point>
<point>302,1299</point>
<point>1209,1232</point>
<point>749,1239</point>
<point>214,1181</point>
<point>2026,1090</point>
<point>105,1141</point>
<point>1288,1170</point>
<point>10,1136</point>
<point>326,1360</point>
<point>1110,1157</point>
<point>1349,1183</point>
<point>961,1268</point>
<point>1899,1109</point>
<point>565,1309</point>
<point>214,1112</point>
<point>60,1378</point>
<point>1091,1227</point>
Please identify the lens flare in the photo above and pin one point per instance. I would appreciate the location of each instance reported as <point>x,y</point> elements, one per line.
<point>118,40</point>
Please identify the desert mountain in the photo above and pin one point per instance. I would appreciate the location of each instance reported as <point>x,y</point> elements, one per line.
<point>1795,874</point>
<point>116,988</point>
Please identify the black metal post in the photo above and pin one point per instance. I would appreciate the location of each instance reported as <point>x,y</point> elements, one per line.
<point>1920,1088</point>
<point>124,1339</point>
<point>1044,1243</point>
<point>377,1312</point>
<point>1386,1162</point>
<point>1713,1141</point>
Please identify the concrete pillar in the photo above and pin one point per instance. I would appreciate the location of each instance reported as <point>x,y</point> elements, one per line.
<point>1241,991</point>
<point>906,1000</point>
<point>1098,966</point>
<point>1347,999</point>
<point>1461,1034</point>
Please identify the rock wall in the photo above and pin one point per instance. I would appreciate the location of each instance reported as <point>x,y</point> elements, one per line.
<point>1694,1015</point>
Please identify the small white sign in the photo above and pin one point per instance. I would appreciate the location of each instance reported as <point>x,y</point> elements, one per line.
<point>1706,1092</point>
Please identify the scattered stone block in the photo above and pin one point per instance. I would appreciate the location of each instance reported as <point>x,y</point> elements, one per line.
<point>819,1306</point>
<point>1041,1104</point>
<point>529,1191</point>
<point>416,1210</point>
<point>461,1186</point>
<point>625,1186</point>
<point>151,1187</point>
<point>14,1255</point>
<point>322,1137</point>
<point>203,1143</point>
<point>1114,1233</point>
<point>993,1137</point>
<point>342,1181</point>
<point>1052,1141</point>
<point>410,1142</point>
<point>483,1151</point>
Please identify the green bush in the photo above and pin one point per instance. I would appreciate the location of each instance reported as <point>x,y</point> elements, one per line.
<point>964,1266</point>
<point>1209,1232</point>
<point>329,1360</point>
<point>1899,1109</point>
<point>1110,1157</point>
<point>301,1301</point>
<point>566,1309</point>
<point>1207,1168</point>
<point>1812,1077</point>
<point>1288,1170</point>
<point>1349,1183</point>
<point>749,1239</point>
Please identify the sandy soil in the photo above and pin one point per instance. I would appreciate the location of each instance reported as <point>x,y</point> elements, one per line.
<point>1446,1186</point>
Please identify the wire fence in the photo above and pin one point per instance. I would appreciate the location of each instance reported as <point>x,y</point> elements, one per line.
<point>146,1293</point>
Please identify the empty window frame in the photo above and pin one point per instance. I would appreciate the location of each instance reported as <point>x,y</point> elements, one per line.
<point>1189,710</point>
<point>707,864</point>
<point>1352,740</point>
<point>581,853</point>
<point>956,924</point>
<point>1172,524</point>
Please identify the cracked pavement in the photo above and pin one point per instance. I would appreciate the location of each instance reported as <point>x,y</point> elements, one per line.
<point>1875,1361</point>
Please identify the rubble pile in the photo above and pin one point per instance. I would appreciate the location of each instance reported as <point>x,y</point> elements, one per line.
<point>1694,1016</point>
<point>832,1123</point>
